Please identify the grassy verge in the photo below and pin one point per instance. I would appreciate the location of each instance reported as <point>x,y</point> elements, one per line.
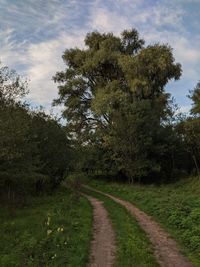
<point>134,249</point>
<point>175,206</point>
<point>52,231</point>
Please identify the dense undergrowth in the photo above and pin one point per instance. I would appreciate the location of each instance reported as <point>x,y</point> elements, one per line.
<point>133,247</point>
<point>176,206</point>
<point>51,231</point>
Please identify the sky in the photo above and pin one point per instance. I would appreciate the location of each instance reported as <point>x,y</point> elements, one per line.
<point>35,33</point>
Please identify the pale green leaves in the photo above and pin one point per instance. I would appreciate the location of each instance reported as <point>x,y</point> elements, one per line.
<point>108,99</point>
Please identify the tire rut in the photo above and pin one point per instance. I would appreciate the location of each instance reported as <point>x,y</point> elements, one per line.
<point>165,248</point>
<point>103,245</point>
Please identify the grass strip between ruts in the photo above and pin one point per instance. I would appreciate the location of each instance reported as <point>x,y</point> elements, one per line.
<point>133,246</point>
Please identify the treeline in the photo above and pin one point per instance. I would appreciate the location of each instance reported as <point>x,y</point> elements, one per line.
<point>121,123</point>
<point>34,149</point>
<point>121,118</point>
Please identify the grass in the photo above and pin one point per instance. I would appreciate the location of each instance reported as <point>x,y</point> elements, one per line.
<point>134,249</point>
<point>51,231</point>
<point>176,206</point>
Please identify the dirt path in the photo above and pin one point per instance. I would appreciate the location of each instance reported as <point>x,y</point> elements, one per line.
<point>103,246</point>
<point>165,248</point>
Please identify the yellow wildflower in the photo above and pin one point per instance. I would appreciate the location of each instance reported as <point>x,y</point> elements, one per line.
<point>48,220</point>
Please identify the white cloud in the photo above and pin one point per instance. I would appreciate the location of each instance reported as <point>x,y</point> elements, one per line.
<point>185,109</point>
<point>166,15</point>
<point>44,61</point>
<point>106,21</point>
<point>133,13</point>
<point>66,24</point>
<point>7,45</point>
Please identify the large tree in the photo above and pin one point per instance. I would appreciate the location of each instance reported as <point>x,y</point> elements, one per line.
<point>113,90</point>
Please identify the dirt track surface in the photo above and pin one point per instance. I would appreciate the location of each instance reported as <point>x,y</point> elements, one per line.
<point>103,248</point>
<point>165,248</point>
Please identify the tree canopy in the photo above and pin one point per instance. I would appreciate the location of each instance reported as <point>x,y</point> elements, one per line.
<point>114,95</point>
<point>34,148</point>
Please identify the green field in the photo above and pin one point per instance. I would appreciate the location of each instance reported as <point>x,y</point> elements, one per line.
<point>51,231</point>
<point>175,206</point>
<point>55,230</point>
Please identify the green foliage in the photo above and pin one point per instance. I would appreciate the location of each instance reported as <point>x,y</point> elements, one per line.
<point>34,148</point>
<point>189,132</point>
<point>75,177</point>
<point>12,86</point>
<point>114,98</point>
<point>195,97</point>
<point>53,146</point>
<point>93,159</point>
<point>175,206</point>
<point>51,231</point>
